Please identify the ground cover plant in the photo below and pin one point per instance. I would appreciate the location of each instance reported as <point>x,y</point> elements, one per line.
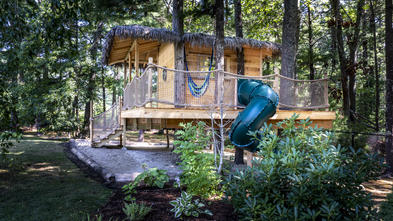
<point>303,175</point>
<point>185,206</point>
<point>50,187</point>
<point>135,211</point>
<point>152,177</point>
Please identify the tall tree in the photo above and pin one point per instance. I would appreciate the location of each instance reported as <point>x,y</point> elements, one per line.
<point>219,42</point>
<point>178,28</point>
<point>348,61</point>
<point>290,39</point>
<point>376,69</point>
<point>310,42</point>
<point>239,154</point>
<point>389,81</point>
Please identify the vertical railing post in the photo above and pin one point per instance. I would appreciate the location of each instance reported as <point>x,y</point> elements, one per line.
<point>149,81</point>
<point>220,87</point>
<point>91,122</point>
<point>276,82</point>
<point>235,94</point>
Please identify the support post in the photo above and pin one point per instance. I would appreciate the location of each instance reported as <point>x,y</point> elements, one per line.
<point>136,59</point>
<point>261,62</point>
<point>129,68</point>
<point>149,83</point>
<point>120,108</point>
<point>125,74</point>
<point>91,122</point>
<point>167,138</point>
<point>235,95</point>
<point>249,157</point>
<point>276,82</point>
<point>326,91</point>
<point>124,122</point>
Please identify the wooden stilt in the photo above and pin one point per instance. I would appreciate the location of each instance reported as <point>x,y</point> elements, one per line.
<point>249,156</point>
<point>167,138</point>
<point>124,132</point>
<point>91,122</point>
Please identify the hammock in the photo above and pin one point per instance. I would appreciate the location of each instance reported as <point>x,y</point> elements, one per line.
<point>198,91</point>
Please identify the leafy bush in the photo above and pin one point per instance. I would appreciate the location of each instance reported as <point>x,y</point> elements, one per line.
<point>199,173</point>
<point>303,176</point>
<point>135,211</point>
<point>184,205</point>
<point>6,143</point>
<point>151,177</point>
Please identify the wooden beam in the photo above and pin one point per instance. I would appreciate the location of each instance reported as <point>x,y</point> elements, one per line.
<point>229,114</point>
<point>129,50</point>
<point>115,62</point>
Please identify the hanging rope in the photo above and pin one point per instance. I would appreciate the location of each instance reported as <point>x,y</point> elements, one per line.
<point>198,91</point>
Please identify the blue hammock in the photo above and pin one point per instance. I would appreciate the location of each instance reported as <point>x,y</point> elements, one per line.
<point>198,91</point>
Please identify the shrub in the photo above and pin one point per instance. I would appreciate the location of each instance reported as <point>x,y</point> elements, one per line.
<point>151,177</point>
<point>135,211</point>
<point>199,173</point>
<point>184,205</point>
<point>303,176</point>
<point>6,143</point>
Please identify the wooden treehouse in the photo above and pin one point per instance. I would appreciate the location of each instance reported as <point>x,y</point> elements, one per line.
<point>157,96</point>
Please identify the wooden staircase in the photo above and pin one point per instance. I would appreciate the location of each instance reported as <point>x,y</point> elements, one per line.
<point>102,141</point>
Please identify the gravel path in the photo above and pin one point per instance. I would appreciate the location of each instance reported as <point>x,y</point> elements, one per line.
<point>121,165</point>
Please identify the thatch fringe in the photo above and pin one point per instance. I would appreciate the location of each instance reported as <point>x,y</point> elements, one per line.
<point>165,35</point>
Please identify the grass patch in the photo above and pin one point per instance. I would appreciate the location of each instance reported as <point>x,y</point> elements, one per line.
<point>50,187</point>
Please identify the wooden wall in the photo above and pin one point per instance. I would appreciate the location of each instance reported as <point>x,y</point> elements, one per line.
<point>253,60</point>
<point>166,57</point>
<point>195,55</point>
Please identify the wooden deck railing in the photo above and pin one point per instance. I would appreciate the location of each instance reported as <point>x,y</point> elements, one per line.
<point>155,88</point>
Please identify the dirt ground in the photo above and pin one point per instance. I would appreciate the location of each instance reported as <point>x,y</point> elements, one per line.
<point>159,200</point>
<point>379,189</point>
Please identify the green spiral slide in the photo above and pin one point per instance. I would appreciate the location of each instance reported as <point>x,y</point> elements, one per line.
<point>261,103</point>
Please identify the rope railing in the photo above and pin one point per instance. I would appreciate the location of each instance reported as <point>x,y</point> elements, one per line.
<point>155,88</point>
<point>106,123</point>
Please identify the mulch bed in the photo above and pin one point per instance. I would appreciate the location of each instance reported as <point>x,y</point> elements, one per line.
<point>159,200</point>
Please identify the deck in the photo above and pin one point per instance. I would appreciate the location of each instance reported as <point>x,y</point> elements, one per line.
<point>157,118</point>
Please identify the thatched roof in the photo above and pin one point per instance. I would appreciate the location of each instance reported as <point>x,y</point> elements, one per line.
<point>165,35</point>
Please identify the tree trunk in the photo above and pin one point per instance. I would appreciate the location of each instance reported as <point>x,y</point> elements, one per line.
<point>103,90</point>
<point>220,75</point>
<point>290,39</point>
<point>376,73</point>
<point>239,153</point>
<point>310,45</point>
<point>341,54</point>
<point>314,97</point>
<point>353,47</point>
<point>348,65</point>
<point>389,82</point>
<point>178,28</point>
